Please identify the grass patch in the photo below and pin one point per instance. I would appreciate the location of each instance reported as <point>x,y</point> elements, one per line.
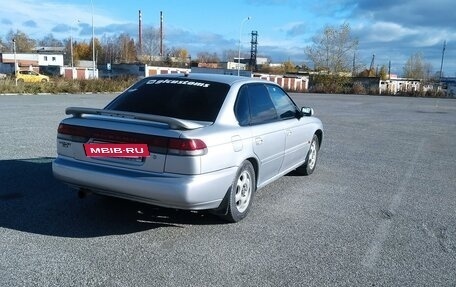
<point>61,85</point>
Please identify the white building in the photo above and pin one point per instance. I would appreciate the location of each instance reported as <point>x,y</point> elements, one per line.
<point>30,61</point>
<point>394,86</point>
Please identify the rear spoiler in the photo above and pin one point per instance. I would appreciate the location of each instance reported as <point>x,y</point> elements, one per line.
<point>173,123</point>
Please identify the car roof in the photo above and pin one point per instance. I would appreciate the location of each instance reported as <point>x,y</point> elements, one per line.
<point>220,78</point>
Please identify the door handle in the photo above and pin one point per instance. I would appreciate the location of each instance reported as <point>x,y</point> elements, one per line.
<point>289,132</point>
<point>258,141</point>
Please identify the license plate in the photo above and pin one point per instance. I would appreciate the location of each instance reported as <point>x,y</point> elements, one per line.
<point>116,150</point>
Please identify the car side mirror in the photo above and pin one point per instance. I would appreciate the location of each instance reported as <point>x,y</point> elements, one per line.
<point>307,112</point>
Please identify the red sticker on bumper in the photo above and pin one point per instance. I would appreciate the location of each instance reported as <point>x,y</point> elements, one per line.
<point>116,150</point>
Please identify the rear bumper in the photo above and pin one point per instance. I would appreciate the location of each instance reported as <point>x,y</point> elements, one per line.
<point>194,192</point>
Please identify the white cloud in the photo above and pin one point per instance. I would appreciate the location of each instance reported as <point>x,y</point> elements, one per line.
<point>48,15</point>
<point>387,32</point>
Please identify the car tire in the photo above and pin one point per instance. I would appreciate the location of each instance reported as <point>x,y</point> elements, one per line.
<point>311,159</point>
<point>20,80</point>
<point>238,199</point>
<point>43,81</point>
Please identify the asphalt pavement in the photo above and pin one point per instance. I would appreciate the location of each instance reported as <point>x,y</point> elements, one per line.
<point>380,209</point>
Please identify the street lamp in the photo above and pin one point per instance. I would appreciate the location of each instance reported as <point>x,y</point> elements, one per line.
<point>93,43</point>
<point>239,48</point>
<point>71,48</point>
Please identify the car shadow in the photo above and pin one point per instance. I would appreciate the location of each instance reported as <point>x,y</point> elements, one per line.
<point>32,200</point>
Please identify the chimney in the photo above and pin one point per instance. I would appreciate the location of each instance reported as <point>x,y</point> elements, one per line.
<point>161,33</point>
<point>140,33</point>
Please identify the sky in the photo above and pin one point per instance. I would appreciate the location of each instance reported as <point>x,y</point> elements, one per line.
<point>391,30</point>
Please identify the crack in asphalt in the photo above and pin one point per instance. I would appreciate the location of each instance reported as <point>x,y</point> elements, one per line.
<point>440,235</point>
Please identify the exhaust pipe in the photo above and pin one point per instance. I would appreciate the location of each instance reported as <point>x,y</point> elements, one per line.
<point>83,192</point>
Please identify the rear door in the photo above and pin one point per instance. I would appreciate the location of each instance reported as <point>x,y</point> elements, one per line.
<point>297,134</point>
<point>268,137</point>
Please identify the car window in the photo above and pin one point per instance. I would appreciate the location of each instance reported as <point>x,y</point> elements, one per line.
<point>284,105</point>
<point>173,97</point>
<point>241,108</point>
<point>261,107</point>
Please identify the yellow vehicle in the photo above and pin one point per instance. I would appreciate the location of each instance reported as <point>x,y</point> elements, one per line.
<point>31,77</point>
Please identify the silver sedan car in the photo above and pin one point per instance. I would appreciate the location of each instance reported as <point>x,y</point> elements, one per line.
<point>188,141</point>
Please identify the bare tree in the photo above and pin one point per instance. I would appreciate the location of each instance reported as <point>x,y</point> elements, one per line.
<point>229,55</point>
<point>2,46</point>
<point>50,41</point>
<point>179,55</point>
<point>151,42</point>
<point>23,42</point>
<point>206,57</point>
<point>127,48</point>
<point>105,55</point>
<point>333,49</point>
<point>417,68</point>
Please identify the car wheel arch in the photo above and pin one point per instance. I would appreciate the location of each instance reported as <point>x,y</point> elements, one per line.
<point>319,134</point>
<point>255,165</point>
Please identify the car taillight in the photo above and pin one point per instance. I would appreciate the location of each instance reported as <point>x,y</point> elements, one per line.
<point>72,133</point>
<point>181,146</point>
<point>157,144</point>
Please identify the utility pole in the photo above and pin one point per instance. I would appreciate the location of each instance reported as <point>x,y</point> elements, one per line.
<point>389,70</point>
<point>15,60</point>
<point>71,52</point>
<point>161,34</point>
<point>354,63</point>
<point>93,44</point>
<point>140,33</point>
<point>239,47</point>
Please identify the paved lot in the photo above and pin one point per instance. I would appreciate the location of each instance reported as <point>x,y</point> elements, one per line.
<point>380,210</point>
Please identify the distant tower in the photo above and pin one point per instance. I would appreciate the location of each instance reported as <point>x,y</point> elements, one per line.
<point>140,33</point>
<point>371,68</point>
<point>441,63</point>
<point>253,51</point>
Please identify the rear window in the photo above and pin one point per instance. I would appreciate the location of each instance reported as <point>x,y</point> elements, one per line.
<point>173,97</point>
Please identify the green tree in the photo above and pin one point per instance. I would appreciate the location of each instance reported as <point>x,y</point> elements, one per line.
<point>333,49</point>
<point>289,67</point>
<point>383,73</point>
<point>82,51</point>
<point>179,55</point>
<point>367,73</point>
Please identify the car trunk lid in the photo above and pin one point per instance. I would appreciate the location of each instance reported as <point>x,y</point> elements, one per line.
<point>162,135</point>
